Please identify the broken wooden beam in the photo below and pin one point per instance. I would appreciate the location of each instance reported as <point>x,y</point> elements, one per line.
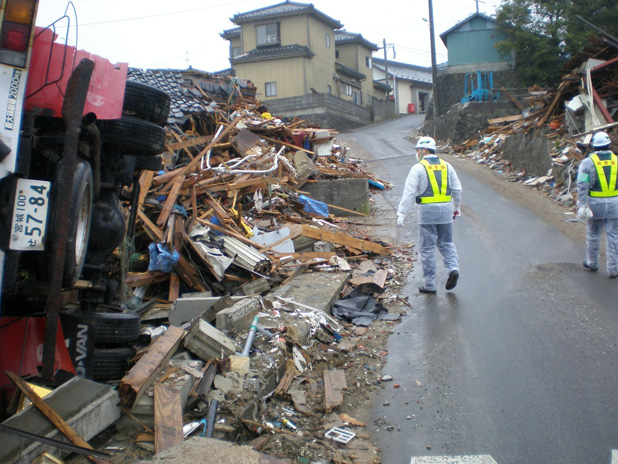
<point>143,374</point>
<point>343,239</point>
<point>167,416</point>
<point>334,384</point>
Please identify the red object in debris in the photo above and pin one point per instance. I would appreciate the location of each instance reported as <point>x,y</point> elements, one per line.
<point>555,124</point>
<point>51,66</point>
<point>411,108</point>
<point>22,348</point>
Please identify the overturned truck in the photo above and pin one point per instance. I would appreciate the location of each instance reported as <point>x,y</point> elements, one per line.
<point>75,132</point>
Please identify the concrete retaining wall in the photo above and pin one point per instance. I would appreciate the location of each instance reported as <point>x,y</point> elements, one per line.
<point>462,121</point>
<point>322,109</point>
<point>529,151</point>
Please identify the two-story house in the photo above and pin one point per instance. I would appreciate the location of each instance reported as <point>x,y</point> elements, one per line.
<point>305,65</point>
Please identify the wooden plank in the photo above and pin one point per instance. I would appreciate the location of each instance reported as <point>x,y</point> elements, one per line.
<point>52,415</point>
<point>139,279</point>
<point>174,290</point>
<point>168,417</point>
<point>514,100</point>
<point>188,143</point>
<point>286,380</point>
<point>170,201</point>
<point>143,374</point>
<point>334,384</point>
<point>343,239</point>
<point>286,144</point>
<point>145,181</point>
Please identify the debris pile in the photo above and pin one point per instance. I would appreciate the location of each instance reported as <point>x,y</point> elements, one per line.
<point>585,102</point>
<point>264,310</point>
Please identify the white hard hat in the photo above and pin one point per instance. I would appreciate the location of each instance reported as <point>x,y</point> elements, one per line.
<point>426,142</point>
<point>600,140</point>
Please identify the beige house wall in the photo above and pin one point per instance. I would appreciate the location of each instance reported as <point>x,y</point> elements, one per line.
<point>288,73</point>
<point>294,76</point>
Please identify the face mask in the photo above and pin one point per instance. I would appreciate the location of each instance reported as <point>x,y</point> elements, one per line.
<point>418,155</point>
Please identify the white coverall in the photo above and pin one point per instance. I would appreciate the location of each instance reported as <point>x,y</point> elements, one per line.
<point>604,216</point>
<point>435,221</point>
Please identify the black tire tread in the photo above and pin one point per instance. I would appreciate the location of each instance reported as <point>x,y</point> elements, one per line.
<point>111,363</point>
<point>132,136</point>
<point>143,101</point>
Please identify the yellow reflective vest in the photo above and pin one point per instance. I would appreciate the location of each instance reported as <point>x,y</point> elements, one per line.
<point>607,170</point>
<point>438,188</point>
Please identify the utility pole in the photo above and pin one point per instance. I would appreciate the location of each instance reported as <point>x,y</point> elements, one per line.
<point>434,69</point>
<point>385,60</point>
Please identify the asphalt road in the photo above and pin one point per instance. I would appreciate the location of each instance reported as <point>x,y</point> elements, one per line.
<point>520,361</point>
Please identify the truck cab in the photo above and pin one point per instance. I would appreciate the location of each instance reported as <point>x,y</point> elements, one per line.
<point>64,161</point>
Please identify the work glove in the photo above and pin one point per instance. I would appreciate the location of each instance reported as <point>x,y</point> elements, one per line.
<point>400,219</point>
<point>456,214</point>
<point>584,213</point>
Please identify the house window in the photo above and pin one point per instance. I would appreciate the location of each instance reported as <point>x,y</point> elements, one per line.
<point>235,52</point>
<point>346,89</point>
<point>368,61</point>
<point>329,89</point>
<point>369,98</point>
<point>268,34</point>
<point>327,40</point>
<point>271,89</point>
<point>355,98</point>
<point>337,54</point>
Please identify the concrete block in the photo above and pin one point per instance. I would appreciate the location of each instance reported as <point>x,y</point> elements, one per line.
<point>351,194</point>
<point>318,290</point>
<point>322,247</point>
<point>239,364</point>
<point>207,342</point>
<point>87,407</point>
<point>191,307</point>
<point>237,318</point>
<point>258,286</point>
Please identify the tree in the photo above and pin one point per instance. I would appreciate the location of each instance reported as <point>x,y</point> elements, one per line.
<point>544,34</point>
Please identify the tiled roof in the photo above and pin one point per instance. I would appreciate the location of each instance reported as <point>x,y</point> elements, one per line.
<point>182,87</point>
<point>286,51</point>
<point>344,36</point>
<point>231,33</point>
<point>285,9</point>
<point>405,71</point>
<point>349,71</point>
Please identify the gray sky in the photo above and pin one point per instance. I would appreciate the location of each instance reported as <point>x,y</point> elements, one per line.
<point>164,34</point>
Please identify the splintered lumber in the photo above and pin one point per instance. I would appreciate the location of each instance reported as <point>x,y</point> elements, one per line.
<point>199,157</point>
<point>145,180</point>
<point>143,374</point>
<point>286,380</point>
<point>180,145</point>
<point>343,239</point>
<point>170,201</point>
<point>168,417</point>
<point>52,415</point>
<point>139,279</point>
<point>334,384</point>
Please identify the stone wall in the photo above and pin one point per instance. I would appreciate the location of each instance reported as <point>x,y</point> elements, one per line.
<point>464,120</point>
<point>451,89</point>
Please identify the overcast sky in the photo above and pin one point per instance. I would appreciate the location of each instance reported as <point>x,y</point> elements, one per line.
<point>176,34</point>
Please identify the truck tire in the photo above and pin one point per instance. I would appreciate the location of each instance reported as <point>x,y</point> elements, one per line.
<point>111,363</point>
<point>79,222</point>
<point>132,136</point>
<point>109,327</point>
<point>143,101</point>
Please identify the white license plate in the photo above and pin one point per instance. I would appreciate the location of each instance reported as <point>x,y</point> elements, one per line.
<point>30,215</point>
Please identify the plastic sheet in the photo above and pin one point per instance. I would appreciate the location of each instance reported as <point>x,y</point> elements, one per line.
<point>314,206</point>
<point>161,259</point>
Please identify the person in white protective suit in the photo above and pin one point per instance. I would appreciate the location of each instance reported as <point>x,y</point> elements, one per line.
<point>433,184</point>
<point>597,202</point>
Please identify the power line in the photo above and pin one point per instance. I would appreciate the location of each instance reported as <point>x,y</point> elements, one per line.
<point>137,18</point>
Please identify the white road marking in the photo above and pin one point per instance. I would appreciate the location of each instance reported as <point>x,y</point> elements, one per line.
<point>479,459</point>
<point>614,457</point>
